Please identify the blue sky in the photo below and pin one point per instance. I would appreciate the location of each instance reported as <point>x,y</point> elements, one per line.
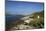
<point>17,7</point>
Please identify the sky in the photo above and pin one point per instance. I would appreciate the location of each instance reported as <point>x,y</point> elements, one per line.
<point>28,0</point>
<point>25,8</point>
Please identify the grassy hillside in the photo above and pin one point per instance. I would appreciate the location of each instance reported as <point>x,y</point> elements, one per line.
<point>38,22</point>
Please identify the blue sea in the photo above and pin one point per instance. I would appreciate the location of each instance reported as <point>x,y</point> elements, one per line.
<point>12,18</point>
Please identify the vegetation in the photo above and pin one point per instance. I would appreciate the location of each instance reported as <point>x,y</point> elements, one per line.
<point>38,22</point>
